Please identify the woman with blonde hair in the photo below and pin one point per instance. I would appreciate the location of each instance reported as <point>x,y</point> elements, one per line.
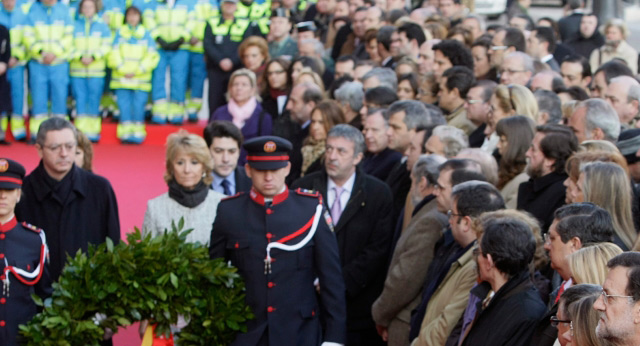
<point>607,185</point>
<point>506,101</point>
<point>572,167</point>
<point>576,318</point>
<point>243,109</point>
<point>188,174</point>
<point>589,264</point>
<point>306,75</point>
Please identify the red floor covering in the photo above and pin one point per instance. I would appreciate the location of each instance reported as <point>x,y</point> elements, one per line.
<point>135,173</point>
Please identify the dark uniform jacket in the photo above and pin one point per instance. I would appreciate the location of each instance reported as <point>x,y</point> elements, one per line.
<point>511,316</point>
<point>364,234</point>
<point>22,247</point>
<point>284,301</point>
<point>75,212</point>
<point>542,196</point>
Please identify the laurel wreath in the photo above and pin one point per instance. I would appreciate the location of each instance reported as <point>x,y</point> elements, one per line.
<point>146,278</point>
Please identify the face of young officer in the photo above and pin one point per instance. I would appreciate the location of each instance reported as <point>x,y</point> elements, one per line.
<point>58,152</point>
<point>187,170</point>
<point>268,183</point>
<point>8,200</point>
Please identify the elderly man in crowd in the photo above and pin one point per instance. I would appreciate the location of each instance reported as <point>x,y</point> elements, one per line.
<point>623,94</point>
<point>595,119</point>
<point>619,304</point>
<point>379,159</point>
<point>516,68</point>
<point>350,97</point>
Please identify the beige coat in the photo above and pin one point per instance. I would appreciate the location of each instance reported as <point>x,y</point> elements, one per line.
<point>406,274</point>
<point>510,191</point>
<point>624,51</point>
<point>458,118</point>
<point>448,302</point>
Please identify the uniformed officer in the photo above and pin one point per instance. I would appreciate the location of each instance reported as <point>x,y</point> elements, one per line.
<point>23,258</point>
<point>222,37</point>
<point>280,242</point>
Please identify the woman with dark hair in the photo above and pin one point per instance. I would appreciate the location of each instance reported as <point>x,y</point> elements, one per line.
<point>515,136</point>
<point>481,65</point>
<point>408,87</point>
<point>276,86</point>
<point>324,116</point>
<point>299,63</point>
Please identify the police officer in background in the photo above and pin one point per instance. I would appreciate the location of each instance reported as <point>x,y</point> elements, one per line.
<point>23,254</point>
<point>222,37</point>
<point>290,227</point>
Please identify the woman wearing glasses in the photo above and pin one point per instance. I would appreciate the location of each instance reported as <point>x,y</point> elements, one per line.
<point>276,86</point>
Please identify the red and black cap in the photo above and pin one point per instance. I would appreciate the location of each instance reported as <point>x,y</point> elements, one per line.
<point>267,152</point>
<point>11,174</point>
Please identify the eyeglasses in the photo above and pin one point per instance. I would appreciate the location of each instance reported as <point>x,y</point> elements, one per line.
<point>499,47</point>
<point>510,71</point>
<point>555,321</point>
<point>273,73</point>
<point>57,147</point>
<point>473,102</point>
<point>606,297</point>
<point>450,214</point>
<point>547,238</point>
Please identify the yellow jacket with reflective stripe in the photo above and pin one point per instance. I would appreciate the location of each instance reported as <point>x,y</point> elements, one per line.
<point>203,10</point>
<point>91,37</point>
<point>49,29</point>
<point>134,51</point>
<point>15,21</point>
<point>258,13</point>
<point>171,23</point>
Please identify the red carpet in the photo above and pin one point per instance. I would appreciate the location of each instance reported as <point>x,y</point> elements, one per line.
<point>135,173</point>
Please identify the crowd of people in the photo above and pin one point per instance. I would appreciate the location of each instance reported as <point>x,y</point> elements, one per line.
<point>452,183</point>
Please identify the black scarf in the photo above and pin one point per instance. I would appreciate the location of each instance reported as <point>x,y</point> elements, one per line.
<point>188,198</point>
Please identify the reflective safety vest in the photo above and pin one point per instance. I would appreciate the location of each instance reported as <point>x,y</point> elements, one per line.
<point>203,10</point>
<point>49,29</point>
<point>91,37</point>
<point>133,52</point>
<point>234,29</point>
<point>258,13</point>
<point>15,21</point>
<point>172,23</point>
<point>114,13</point>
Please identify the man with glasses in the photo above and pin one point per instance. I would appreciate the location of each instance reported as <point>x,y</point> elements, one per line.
<point>516,68</point>
<point>573,226</point>
<point>478,106</point>
<point>75,207</point>
<point>505,41</point>
<point>619,304</point>
<point>448,300</point>
<point>446,250</point>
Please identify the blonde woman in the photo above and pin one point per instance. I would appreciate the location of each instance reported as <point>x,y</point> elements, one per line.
<point>573,190</point>
<point>243,109</point>
<point>607,186</point>
<point>188,176</point>
<point>506,101</point>
<point>589,264</point>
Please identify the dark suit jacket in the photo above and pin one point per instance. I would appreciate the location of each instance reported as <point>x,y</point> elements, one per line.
<point>542,196</point>
<point>296,154</point>
<point>399,180</point>
<point>344,44</point>
<point>553,64</point>
<point>570,26</point>
<point>243,183</point>
<point>476,138</point>
<point>364,233</point>
<point>380,165</point>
